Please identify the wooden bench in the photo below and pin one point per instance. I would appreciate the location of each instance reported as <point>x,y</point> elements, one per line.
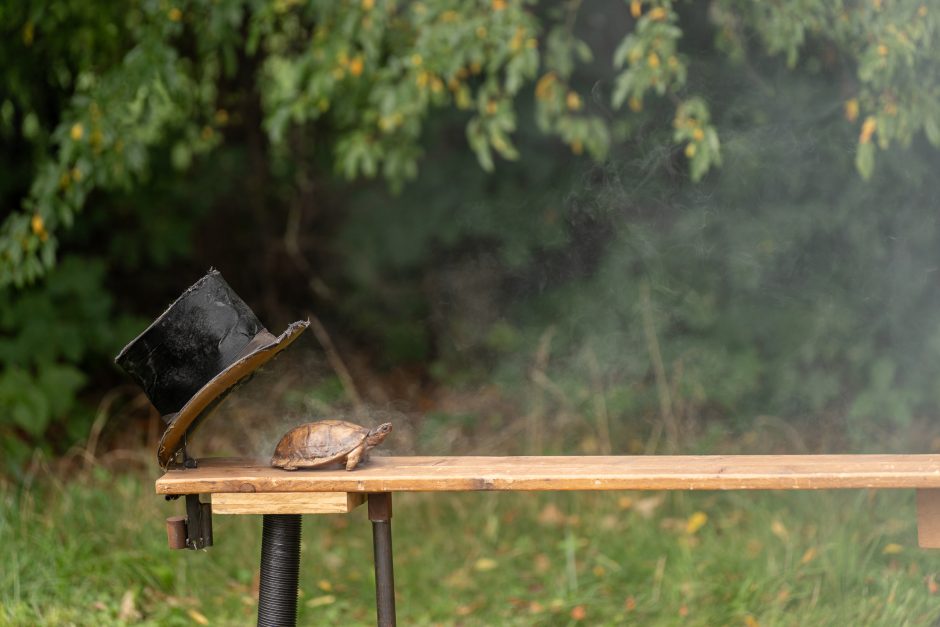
<point>247,487</point>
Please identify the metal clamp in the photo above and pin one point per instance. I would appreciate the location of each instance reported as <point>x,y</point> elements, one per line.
<point>193,531</point>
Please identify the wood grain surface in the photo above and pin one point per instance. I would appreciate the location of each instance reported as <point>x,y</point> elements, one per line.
<point>928,519</point>
<point>653,472</point>
<point>286,502</point>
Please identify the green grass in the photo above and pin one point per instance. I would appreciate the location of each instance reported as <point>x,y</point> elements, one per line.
<point>75,551</point>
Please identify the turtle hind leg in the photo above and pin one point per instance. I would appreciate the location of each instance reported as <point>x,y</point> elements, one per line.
<point>354,456</point>
<point>291,463</point>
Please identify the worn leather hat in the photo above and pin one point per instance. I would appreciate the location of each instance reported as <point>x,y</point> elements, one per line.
<point>198,350</point>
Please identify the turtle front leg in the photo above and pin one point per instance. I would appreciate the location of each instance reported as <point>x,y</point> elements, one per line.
<point>354,456</point>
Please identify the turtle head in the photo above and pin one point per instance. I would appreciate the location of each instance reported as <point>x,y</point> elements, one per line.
<point>378,434</point>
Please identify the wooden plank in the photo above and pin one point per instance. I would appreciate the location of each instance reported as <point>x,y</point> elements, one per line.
<point>654,472</point>
<point>286,502</point>
<point>928,519</point>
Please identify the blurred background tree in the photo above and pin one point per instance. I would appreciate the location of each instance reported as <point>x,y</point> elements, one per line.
<point>657,216</point>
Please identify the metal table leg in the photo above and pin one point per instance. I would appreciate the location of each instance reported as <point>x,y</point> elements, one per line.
<point>280,568</point>
<point>380,513</point>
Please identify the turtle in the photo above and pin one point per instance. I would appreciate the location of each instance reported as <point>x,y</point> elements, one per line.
<point>325,442</point>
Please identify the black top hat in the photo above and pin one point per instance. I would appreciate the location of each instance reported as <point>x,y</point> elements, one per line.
<point>203,345</point>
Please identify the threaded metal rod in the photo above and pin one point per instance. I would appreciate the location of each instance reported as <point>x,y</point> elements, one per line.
<point>280,569</point>
<point>384,575</point>
<point>380,513</point>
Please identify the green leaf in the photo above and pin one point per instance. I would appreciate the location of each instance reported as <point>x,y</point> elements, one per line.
<point>22,403</point>
<point>865,159</point>
<point>181,156</point>
<point>59,383</point>
<point>932,129</point>
<point>622,89</point>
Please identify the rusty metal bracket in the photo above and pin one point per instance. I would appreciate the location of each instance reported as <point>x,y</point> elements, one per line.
<point>182,459</point>
<point>194,531</point>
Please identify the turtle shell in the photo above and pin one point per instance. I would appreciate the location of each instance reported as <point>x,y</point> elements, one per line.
<point>318,444</point>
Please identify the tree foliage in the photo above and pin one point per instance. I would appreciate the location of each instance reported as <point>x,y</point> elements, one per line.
<point>569,172</point>
<point>366,75</point>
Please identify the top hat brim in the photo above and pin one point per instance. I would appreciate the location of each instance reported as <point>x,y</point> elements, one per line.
<point>203,401</point>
